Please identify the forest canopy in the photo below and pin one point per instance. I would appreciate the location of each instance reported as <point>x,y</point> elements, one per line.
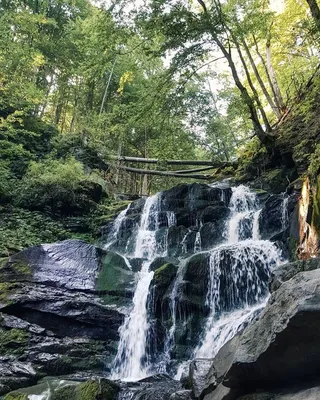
<point>161,79</point>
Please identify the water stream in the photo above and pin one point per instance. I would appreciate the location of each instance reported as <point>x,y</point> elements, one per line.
<point>239,268</point>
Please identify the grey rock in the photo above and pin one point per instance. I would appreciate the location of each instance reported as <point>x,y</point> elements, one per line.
<point>182,395</point>
<point>282,346</point>
<point>287,271</point>
<point>200,373</point>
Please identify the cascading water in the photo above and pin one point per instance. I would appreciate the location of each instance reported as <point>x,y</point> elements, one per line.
<point>237,278</point>
<point>131,360</point>
<point>245,279</point>
<point>113,235</point>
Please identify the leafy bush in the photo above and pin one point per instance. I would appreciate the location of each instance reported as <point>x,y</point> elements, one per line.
<point>55,185</point>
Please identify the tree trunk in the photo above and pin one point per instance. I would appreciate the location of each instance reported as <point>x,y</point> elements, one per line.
<point>107,86</point>
<point>315,11</point>
<point>272,74</point>
<point>210,163</point>
<point>259,79</point>
<point>261,134</point>
<point>267,74</point>
<point>164,173</point>
<point>254,91</point>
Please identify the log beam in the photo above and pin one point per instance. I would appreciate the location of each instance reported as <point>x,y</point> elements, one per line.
<point>211,163</point>
<point>164,173</point>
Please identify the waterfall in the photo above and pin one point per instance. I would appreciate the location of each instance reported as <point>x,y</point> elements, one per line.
<point>245,279</point>
<point>197,243</point>
<point>284,214</point>
<point>237,267</point>
<point>113,235</point>
<point>131,362</point>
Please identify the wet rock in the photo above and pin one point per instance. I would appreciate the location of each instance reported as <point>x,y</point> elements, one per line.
<point>193,291</point>
<point>211,234</point>
<point>272,215</point>
<point>182,395</point>
<point>285,272</point>
<point>214,213</point>
<point>115,275</point>
<point>312,393</point>
<point>157,387</point>
<point>136,264</point>
<point>175,237</point>
<point>159,262</point>
<point>199,375</point>
<point>71,264</point>
<point>136,207</point>
<point>164,275</point>
<point>15,374</point>
<point>279,348</point>
<point>62,312</point>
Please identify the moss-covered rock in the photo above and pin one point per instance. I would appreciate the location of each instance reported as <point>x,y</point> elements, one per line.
<point>115,275</point>
<point>13,341</point>
<point>164,275</point>
<point>16,396</point>
<point>102,389</point>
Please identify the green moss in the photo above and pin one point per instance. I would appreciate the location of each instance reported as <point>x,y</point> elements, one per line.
<point>13,341</point>
<point>164,275</point>
<point>92,390</point>
<point>5,291</point>
<point>16,396</point>
<point>60,366</point>
<point>65,393</point>
<point>292,249</point>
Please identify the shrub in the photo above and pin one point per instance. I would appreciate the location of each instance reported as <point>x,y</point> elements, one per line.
<point>55,185</point>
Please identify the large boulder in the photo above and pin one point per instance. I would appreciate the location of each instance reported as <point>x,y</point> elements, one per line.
<point>279,348</point>
<point>63,389</point>
<point>53,313</point>
<point>284,272</point>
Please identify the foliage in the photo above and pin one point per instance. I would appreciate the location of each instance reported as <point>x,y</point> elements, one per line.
<point>180,80</point>
<point>22,228</point>
<point>314,166</point>
<point>52,184</point>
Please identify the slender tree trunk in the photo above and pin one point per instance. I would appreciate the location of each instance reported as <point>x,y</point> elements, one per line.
<point>254,90</point>
<point>261,134</point>
<point>119,162</point>
<point>273,76</point>
<point>259,79</point>
<point>315,11</point>
<point>107,86</point>
<point>267,74</point>
<point>58,111</point>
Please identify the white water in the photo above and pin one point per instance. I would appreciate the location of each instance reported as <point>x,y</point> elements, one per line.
<point>237,285</point>
<point>285,216</point>
<point>197,243</point>
<point>131,360</point>
<point>249,261</point>
<point>113,235</point>
<point>128,363</point>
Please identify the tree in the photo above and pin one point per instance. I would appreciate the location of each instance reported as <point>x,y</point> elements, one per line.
<point>315,11</point>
